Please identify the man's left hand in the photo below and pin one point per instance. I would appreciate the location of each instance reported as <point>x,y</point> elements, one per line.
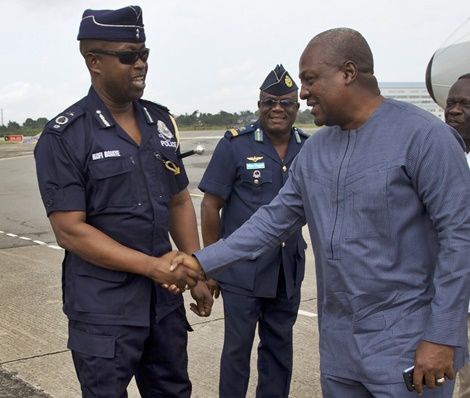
<point>204,300</point>
<point>433,362</point>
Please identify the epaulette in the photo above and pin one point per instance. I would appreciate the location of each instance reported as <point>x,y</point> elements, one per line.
<point>301,132</point>
<point>64,120</point>
<point>232,133</point>
<point>156,104</point>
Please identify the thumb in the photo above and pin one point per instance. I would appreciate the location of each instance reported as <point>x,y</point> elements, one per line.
<point>176,261</point>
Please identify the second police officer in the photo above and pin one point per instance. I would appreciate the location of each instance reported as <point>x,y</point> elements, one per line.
<point>248,168</point>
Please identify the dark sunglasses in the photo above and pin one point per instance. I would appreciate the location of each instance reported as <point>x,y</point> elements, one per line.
<point>270,102</point>
<point>126,57</point>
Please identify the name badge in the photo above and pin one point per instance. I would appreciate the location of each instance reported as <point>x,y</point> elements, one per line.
<point>253,166</point>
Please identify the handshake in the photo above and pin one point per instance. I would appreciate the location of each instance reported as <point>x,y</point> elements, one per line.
<point>176,271</point>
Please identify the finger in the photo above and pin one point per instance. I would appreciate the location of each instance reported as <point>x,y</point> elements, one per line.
<point>440,380</point>
<point>449,372</point>
<point>418,380</point>
<point>208,307</point>
<point>194,308</point>
<point>430,379</point>
<point>174,289</point>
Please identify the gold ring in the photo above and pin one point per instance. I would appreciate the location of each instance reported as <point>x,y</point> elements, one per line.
<point>441,380</point>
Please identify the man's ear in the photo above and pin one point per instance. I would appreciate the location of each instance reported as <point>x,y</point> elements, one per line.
<point>350,71</point>
<point>93,62</point>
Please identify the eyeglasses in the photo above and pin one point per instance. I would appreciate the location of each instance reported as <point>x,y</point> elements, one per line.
<point>271,102</point>
<point>126,57</point>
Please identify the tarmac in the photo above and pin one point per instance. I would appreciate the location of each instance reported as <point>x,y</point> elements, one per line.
<point>34,360</point>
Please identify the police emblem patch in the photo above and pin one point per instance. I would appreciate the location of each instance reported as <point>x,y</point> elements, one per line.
<point>164,130</point>
<point>288,81</point>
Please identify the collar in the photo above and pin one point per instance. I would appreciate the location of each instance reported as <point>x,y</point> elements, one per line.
<point>99,110</point>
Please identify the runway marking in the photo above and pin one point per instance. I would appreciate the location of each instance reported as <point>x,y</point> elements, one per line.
<point>306,313</point>
<point>202,137</point>
<point>17,157</point>
<point>38,242</point>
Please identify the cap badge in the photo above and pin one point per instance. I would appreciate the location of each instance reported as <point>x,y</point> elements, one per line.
<point>288,81</point>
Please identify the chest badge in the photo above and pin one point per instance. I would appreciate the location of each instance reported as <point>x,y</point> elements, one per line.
<point>255,166</point>
<point>164,130</point>
<point>254,158</point>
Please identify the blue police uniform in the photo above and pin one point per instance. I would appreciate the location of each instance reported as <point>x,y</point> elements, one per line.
<point>87,162</point>
<point>247,172</point>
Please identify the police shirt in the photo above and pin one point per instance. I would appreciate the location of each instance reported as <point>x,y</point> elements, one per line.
<point>86,162</point>
<point>247,172</point>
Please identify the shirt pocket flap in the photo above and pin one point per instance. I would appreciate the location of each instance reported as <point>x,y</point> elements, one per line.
<point>110,167</point>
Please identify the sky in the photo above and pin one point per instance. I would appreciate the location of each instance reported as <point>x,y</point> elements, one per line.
<point>209,55</point>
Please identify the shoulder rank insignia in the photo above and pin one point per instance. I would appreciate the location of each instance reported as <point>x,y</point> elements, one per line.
<point>258,135</point>
<point>254,158</point>
<point>231,133</point>
<point>64,120</point>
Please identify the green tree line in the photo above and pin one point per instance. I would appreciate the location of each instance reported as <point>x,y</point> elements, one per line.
<point>194,121</point>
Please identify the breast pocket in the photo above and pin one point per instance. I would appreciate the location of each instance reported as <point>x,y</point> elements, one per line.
<point>111,183</point>
<point>257,186</point>
<point>367,207</point>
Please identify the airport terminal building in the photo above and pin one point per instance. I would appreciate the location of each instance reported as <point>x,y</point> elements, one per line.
<point>413,92</point>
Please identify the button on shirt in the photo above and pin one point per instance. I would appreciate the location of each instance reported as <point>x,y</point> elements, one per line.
<point>388,214</point>
<point>86,162</point>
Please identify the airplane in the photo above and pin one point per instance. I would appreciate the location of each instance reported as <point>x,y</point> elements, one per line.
<point>448,63</point>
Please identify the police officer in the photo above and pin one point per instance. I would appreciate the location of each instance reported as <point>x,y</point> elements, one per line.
<point>113,187</point>
<point>248,168</point>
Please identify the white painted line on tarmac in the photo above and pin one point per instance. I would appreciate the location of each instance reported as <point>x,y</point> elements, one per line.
<point>306,313</point>
<point>55,247</point>
<point>202,137</point>
<point>39,242</point>
<point>17,157</point>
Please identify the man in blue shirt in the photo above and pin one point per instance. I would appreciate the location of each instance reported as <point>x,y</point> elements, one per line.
<point>113,186</point>
<point>457,115</point>
<point>246,171</point>
<point>384,188</point>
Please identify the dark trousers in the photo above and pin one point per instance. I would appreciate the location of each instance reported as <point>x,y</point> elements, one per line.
<point>107,356</point>
<point>275,318</point>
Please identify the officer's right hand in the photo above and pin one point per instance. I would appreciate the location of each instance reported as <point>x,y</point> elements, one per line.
<point>213,287</point>
<point>183,277</point>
